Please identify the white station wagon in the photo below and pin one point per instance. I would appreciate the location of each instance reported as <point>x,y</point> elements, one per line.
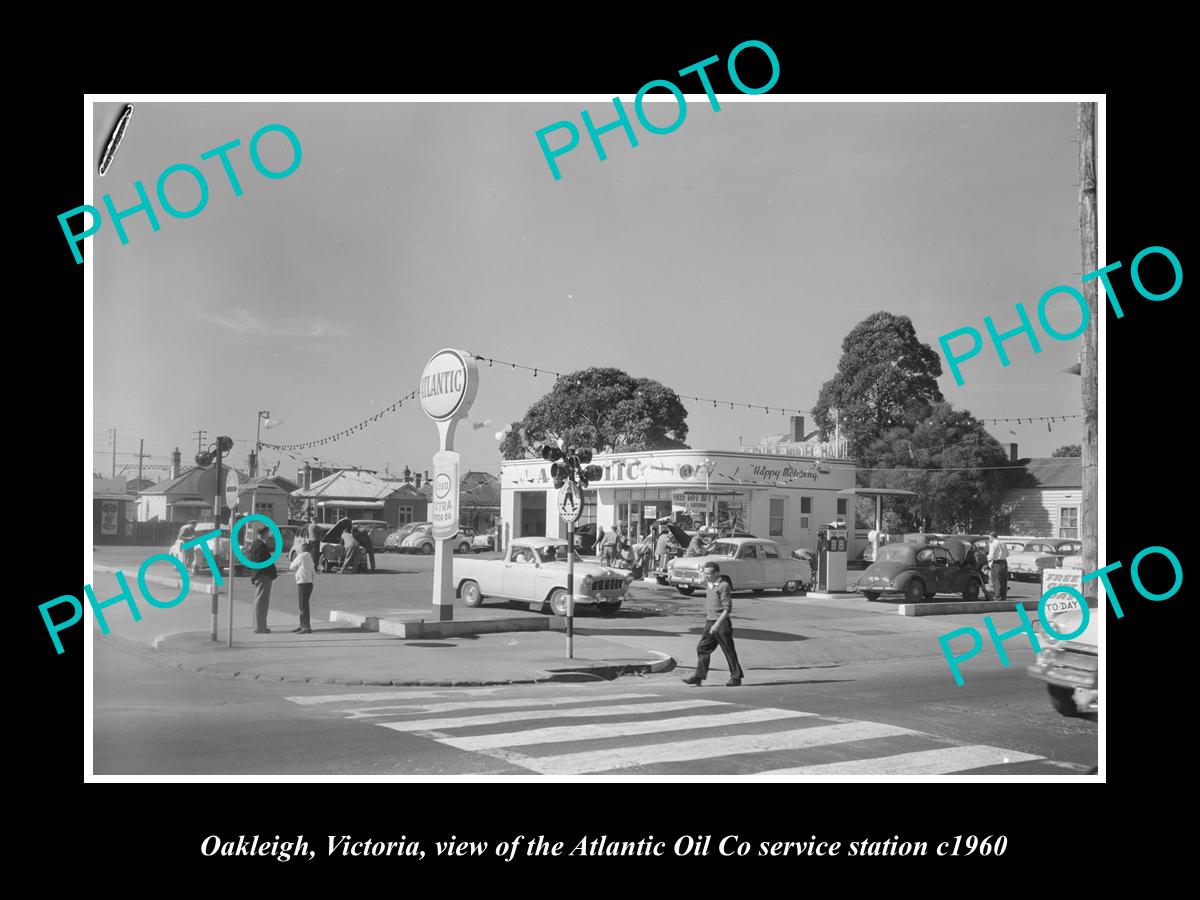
<point>748,564</point>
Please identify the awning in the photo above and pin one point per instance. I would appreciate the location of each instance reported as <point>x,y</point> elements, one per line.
<point>350,504</point>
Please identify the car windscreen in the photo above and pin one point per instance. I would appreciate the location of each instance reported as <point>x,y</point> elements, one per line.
<point>722,548</point>
<point>894,553</point>
<point>554,553</point>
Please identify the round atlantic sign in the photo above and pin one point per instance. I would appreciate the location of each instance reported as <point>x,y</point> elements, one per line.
<point>448,385</point>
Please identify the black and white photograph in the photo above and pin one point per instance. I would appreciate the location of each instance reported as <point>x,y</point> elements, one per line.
<point>704,432</point>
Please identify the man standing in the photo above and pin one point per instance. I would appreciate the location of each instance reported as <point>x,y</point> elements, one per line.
<point>998,561</point>
<point>262,579</point>
<point>718,629</point>
<point>315,532</point>
<point>608,547</point>
<point>661,548</point>
<point>368,545</point>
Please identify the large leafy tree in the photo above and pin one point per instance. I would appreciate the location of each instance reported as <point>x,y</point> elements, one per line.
<point>603,408</point>
<point>886,378</point>
<point>1068,450</point>
<point>959,472</point>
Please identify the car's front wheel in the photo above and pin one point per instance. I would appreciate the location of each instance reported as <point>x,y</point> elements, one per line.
<point>915,591</point>
<point>1063,699</point>
<point>426,549</point>
<point>559,602</point>
<point>471,594</point>
<point>686,589</point>
<point>464,548</point>
<point>792,587</point>
<point>971,592</point>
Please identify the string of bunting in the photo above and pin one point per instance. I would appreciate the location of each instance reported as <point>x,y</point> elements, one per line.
<point>346,432</point>
<point>732,404</point>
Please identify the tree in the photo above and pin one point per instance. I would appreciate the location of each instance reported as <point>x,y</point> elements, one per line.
<point>603,408</point>
<point>959,472</point>
<point>885,378</point>
<point>1068,450</point>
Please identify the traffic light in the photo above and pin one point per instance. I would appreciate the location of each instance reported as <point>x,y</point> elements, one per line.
<point>570,465</point>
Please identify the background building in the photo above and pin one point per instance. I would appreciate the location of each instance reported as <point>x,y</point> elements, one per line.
<point>1046,499</point>
<point>786,501</point>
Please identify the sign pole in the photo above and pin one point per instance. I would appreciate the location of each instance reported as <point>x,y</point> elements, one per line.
<point>232,570</point>
<point>571,590</point>
<point>448,386</point>
<point>216,595</point>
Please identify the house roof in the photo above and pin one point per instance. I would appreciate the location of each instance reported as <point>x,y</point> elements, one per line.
<point>349,484</point>
<point>480,489</point>
<point>263,484</point>
<point>1053,472</point>
<point>195,482</point>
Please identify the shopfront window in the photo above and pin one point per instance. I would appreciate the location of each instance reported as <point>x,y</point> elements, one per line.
<point>805,512</point>
<point>776,522</point>
<point>1068,522</point>
<point>841,508</point>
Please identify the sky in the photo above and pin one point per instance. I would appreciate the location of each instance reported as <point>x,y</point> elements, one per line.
<point>727,259</point>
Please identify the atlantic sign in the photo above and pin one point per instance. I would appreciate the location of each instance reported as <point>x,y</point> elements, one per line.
<point>448,385</point>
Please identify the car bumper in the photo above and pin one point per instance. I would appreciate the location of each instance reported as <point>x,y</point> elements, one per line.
<point>1068,667</point>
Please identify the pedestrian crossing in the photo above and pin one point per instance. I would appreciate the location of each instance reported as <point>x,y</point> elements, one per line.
<point>662,733</point>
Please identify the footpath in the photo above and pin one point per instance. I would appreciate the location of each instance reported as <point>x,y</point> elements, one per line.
<point>338,653</point>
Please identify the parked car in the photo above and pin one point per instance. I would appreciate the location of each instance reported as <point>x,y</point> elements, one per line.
<point>534,569</point>
<point>484,541</point>
<point>376,529</point>
<point>746,563</point>
<point>585,539</point>
<point>396,538</point>
<point>921,572</point>
<point>1027,565</point>
<point>1071,562</point>
<point>1070,668</point>
<point>421,540</point>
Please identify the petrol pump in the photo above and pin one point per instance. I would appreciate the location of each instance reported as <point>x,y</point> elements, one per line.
<point>831,557</point>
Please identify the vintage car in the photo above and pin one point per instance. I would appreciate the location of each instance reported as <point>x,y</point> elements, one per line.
<point>484,541</point>
<point>396,538</point>
<point>421,540</point>
<point>1027,565</point>
<point>535,570</point>
<point>1070,668</point>
<point>921,572</point>
<point>748,564</point>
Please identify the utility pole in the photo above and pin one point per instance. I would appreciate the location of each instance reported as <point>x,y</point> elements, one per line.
<point>112,438</point>
<point>1088,362</point>
<point>199,440</point>
<point>141,456</point>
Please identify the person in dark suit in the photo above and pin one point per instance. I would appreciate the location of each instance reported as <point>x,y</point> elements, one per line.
<point>262,579</point>
<point>718,629</point>
<point>368,546</point>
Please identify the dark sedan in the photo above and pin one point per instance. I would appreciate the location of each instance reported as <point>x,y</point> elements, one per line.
<point>921,572</point>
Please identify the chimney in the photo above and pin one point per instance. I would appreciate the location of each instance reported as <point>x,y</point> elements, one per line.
<point>418,478</point>
<point>426,476</point>
<point>407,475</point>
<point>175,463</point>
<point>1012,453</point>
<point>797,429</point>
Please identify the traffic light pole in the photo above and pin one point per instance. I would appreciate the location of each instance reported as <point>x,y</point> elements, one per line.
<point>570,590</point>
<point>216,594</point>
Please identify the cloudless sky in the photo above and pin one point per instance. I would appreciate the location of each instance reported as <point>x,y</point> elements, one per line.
<point>727,259</point>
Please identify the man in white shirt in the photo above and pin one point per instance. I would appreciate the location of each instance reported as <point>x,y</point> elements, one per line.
<point>998,563</point>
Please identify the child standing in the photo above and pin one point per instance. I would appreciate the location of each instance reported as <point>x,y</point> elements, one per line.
<point>303,566</point>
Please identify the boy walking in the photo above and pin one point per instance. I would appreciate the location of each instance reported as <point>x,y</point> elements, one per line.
<point>717,629</point>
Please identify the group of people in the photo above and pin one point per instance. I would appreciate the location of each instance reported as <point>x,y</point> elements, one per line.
<point>651,551</point>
